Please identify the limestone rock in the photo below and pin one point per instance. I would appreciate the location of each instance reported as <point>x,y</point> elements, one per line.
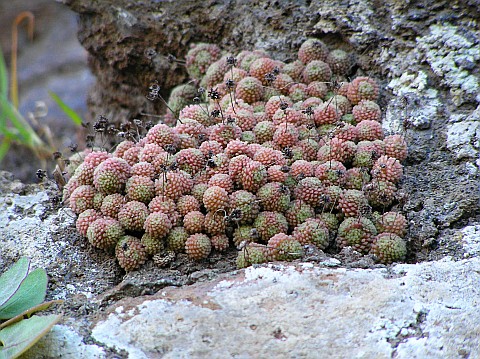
<point>279,311</point>
<point>129,42</point>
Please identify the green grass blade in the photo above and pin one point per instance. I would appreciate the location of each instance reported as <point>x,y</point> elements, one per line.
<point>3,76</point>
<point>28,135</point>
<point>10,134</point>
<point>3,90</point>
<point>70,112</point>
<point>9,112</point>
<point>4,147</point>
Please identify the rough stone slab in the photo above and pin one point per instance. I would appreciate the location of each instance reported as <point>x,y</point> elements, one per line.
<point>31,226</point>
<point>463,135</point>
<point>63,342</point>
<point>470,236</point>
<point>26,229</point>
<point>451,55</point>
<point>427,310</point>
<point>388,37</point>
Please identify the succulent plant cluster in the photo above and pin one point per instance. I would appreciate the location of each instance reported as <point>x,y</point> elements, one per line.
<point>259,154</point>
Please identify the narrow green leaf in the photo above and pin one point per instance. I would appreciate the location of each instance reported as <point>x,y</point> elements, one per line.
<point>3,76</point>
<point>21,336</point>
<point>3,119</point>
<point>10,133</point>
<point>15,118</point>
<point>41,306</point>
<point>4,147</point>
<point>32,291</point>
<point>29,137</point>
<point>11,280</point>
<point>70,112</point>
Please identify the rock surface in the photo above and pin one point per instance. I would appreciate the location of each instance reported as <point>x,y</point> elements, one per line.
<point>407,311</point>
<point>425,56</point>
<point>129,43</point>
<point>324,308</point>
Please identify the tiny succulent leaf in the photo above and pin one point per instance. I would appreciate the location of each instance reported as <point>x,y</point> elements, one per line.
<point>19,337</point>
<point>11,280</point>
<point>31,292</point>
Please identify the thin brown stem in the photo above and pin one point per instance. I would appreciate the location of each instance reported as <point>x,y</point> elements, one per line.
<point>18,20</point>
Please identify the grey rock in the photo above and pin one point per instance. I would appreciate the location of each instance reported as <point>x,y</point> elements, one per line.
<point>63,342</point>
<point>389,38</point>
<point>306,311</point>
<point>463,135</point>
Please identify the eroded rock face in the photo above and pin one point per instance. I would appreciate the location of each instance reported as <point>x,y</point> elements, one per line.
<point>129,41</point>
<point>422,53</point>
<point>305,311</point>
